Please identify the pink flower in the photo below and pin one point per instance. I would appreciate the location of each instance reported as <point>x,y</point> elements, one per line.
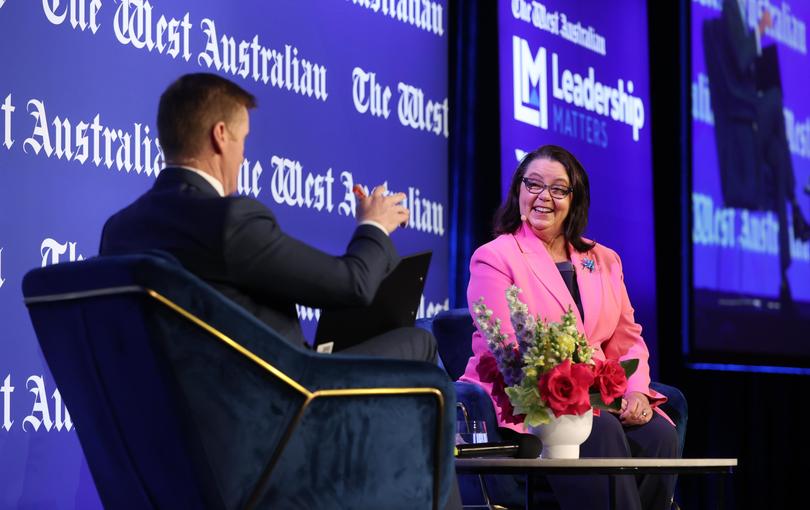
<point>564,388</point>
<point>611,380</point>
<point>488,372</point>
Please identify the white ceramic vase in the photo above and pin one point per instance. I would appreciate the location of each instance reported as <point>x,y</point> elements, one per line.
<point>562,436</point>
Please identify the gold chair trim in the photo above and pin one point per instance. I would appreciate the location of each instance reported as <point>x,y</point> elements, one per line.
<point>231,343</point>
<point>310,396</point>
<point>259,488</point>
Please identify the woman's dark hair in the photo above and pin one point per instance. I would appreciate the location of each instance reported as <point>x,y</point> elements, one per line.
<point>507,217</point>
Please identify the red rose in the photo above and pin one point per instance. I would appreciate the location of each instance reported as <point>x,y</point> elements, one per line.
<point>507,411</point>
<point>488,372</point>
<point>488,369</point>
<point>564,388</point>
<point>609,377</point>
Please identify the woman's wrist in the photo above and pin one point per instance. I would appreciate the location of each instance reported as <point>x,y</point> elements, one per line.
<point>638,394</point>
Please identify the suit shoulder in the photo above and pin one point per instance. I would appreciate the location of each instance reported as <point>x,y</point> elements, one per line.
<point>112,219</point>
<point>604,256</point>
<point>495,249</point>
<point>245,202</point>
<point>601,251</point>
<point>118,222</point>
<point>239,207</point>
<point>248,219</point>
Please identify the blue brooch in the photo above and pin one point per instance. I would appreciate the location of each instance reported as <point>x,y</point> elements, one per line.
<point>588,264</point>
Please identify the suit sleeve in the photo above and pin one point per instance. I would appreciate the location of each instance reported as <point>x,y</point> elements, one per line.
<point>263,259</point>
<point>742,45</point>
<point>489,279</point>
<point>627,343</point>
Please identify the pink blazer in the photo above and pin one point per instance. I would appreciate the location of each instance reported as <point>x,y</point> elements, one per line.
<point>522,259</point>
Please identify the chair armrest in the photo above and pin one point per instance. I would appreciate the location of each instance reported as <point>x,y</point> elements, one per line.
<point>676,408</point>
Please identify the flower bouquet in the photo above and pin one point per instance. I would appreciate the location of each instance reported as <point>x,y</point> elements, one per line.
<point>549,372</point>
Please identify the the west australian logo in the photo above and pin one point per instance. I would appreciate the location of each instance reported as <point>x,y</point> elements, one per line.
<point>529,82</point>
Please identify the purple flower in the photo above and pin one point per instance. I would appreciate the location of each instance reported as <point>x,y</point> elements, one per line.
<point>489,372</point>
<point>510,364</point>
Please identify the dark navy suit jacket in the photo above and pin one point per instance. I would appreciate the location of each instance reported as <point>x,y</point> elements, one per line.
<point>753,156</point>
<point>741,51</point>
<point>236,245</point>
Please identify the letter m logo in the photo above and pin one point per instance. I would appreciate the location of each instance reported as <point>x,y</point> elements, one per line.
<point>529,82</point>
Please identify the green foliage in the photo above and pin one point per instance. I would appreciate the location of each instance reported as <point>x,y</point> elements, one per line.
<point>629,366</point>
<point>541,346</point>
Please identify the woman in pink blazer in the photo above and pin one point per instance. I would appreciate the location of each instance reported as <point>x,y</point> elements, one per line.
<point>540,249</point>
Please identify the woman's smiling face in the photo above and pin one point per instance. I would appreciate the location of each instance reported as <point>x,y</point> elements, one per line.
<point>545,214</point>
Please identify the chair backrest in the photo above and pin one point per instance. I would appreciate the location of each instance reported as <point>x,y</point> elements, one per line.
<point>453,330</point>
<point>172,415</point>
<point>676,408</point>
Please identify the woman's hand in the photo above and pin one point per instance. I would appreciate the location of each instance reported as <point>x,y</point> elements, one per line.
<point>636,409</point>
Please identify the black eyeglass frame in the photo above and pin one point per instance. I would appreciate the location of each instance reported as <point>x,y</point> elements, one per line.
<point>551,188</point>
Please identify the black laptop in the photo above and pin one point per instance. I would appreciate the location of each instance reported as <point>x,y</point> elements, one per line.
<point>394,306</point>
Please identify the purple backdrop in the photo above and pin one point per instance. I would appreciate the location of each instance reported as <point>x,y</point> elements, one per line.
<point>351,93</point>
<point>595,103</point>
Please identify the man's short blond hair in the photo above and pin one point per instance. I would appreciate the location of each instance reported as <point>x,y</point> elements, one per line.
<point>190,107</point>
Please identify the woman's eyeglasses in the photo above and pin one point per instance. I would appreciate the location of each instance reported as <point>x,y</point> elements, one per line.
<point>555,190</point>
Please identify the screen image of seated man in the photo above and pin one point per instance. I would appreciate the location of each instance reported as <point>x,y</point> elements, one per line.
<point>235,243</point>
<point>744,23</point>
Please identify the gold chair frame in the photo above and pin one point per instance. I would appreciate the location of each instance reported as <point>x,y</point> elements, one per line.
<point>309,396</point>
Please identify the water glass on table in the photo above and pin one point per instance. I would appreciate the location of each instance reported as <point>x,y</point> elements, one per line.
<point>471,432</point>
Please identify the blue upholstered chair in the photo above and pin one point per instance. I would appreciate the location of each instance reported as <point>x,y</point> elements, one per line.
<point>453,330</point>
<point>182,399</point>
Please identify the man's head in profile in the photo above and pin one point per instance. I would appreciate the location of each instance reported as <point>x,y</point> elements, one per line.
<point>202,123</point>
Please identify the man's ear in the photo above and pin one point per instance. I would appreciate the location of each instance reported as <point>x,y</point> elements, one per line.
<point>219,136</point>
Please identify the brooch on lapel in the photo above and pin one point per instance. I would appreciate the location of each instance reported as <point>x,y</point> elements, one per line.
<point>588,264</point>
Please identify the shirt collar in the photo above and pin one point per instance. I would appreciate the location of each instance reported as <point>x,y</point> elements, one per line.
<point>213,181</point>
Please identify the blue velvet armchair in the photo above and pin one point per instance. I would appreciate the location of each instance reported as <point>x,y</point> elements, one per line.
<point>453,330</point>
<point>182,399</point>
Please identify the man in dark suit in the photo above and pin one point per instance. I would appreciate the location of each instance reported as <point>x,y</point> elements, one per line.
<point>235,243</point>
<point>762,95</point>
